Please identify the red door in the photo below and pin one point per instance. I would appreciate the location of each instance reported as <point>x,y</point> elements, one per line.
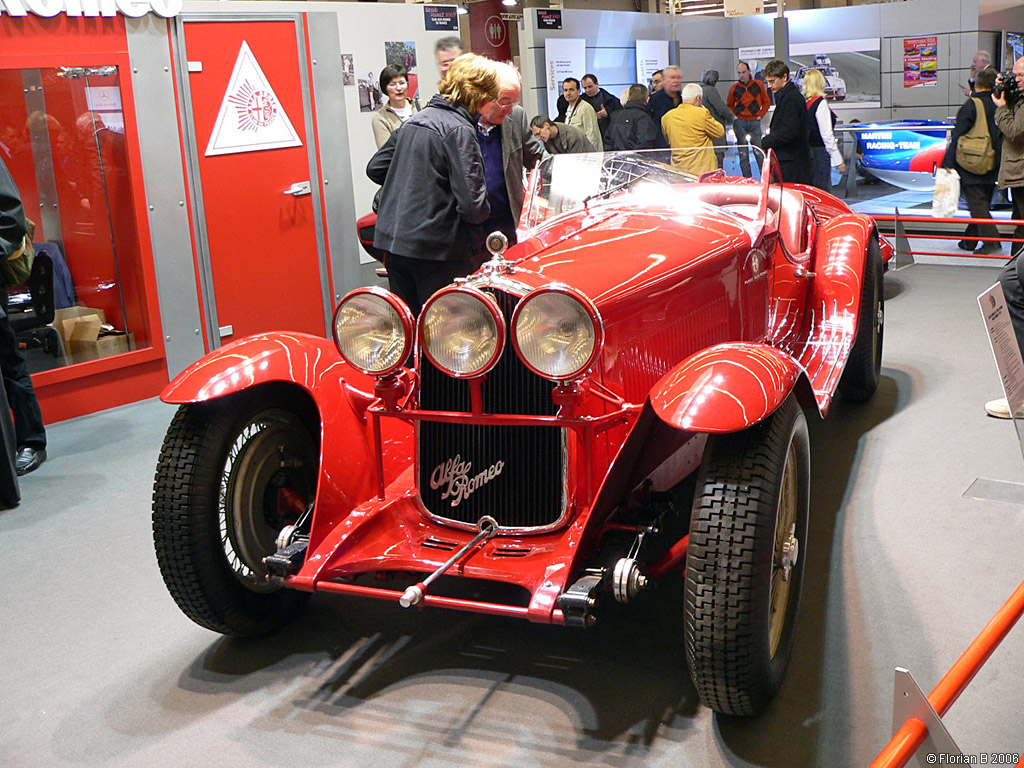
<point>259,211</point>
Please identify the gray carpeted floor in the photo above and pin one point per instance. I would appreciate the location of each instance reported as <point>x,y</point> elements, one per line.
<point>100,668</point>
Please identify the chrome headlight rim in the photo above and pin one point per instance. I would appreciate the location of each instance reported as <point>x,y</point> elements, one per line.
<point>491,305</point>
<point>589,308</point>
<point>404,316</point>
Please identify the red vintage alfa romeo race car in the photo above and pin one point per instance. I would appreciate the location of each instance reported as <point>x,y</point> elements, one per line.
<point>619,397</point>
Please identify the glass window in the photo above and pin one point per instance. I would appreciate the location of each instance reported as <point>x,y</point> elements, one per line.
<point>62,135</point>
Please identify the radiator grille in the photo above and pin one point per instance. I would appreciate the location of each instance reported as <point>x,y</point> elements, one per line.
<point>513,474</point>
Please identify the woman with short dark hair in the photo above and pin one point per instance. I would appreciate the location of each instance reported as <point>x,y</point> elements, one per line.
<point>398,107</point>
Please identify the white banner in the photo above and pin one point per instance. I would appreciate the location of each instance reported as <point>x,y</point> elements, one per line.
<point>651,55</point>
<point>563,57</point>
<point>743,8</point>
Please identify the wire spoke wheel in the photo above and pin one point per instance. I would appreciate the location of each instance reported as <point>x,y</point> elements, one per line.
<point>232,473</point>
<point>271,452</point>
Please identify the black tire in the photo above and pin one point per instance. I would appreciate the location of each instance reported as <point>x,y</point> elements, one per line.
<point>738,641</point>
<point>864,368</point>
<point>216,509</point>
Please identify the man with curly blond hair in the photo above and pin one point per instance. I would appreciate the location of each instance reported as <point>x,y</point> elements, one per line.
<point>434,195</point>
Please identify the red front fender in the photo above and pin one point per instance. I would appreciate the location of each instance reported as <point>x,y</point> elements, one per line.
<point>728,387</point>
<point>348,462</point>
<point>278,356</point>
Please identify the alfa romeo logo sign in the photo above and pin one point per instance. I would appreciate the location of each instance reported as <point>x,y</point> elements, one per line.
<point>495,31</point>
<point>256,108</point>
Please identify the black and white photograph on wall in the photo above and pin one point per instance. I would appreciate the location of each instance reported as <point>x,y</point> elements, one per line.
<point>404,54</point>
<point>348,69</point>
<point>852,68</point>
<point>369,91</point>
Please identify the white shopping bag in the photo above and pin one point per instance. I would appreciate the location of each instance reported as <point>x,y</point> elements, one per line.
<point>946,198</point>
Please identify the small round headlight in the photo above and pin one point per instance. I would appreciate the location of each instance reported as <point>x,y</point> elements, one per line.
<point>462,331</point>
<point>373,330</point>
<point>557,332</point>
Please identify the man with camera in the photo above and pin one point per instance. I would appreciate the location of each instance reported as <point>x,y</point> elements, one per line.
<point>1010,120</point>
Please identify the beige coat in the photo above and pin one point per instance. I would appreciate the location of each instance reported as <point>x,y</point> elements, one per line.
<point>385,122</point>
<point>1011,122</point>
<point>585,118</point>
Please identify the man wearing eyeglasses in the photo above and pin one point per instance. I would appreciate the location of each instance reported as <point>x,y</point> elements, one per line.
<point>789,132</point>
<point>508,146</point>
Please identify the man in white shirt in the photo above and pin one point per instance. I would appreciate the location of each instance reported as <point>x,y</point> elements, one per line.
<point>579,113</point>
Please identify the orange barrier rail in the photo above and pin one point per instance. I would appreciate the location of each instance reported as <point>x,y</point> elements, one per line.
<point>906,741</point>
<point>902,236</point>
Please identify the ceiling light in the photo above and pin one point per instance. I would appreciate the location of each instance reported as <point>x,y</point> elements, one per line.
<point>508,2</point>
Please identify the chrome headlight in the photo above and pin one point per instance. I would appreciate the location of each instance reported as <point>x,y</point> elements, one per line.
<point>462,331</point>
<point>373,330</point>
<point>557,332</point>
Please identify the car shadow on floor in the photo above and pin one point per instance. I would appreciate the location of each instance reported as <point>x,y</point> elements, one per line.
<point>372,672</point>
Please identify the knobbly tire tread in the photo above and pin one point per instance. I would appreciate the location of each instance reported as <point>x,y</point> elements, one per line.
<point>860,377</point>
<point>186,529</point>
<point>728,571</point>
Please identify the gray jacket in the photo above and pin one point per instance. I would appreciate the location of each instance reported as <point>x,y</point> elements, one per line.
<point>1010,120</point>
<point>519,149</point>
<point>434,196</point>
<point>711,100</point>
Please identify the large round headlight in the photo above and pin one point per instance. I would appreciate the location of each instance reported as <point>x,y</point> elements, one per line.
<point>462,331</point>
<point>557,332</point>
<point>373,330</point>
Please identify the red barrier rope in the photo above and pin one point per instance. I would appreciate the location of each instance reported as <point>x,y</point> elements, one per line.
<point>911,734</point>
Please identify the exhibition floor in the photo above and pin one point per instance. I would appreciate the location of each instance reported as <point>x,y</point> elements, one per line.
<point>100,668</point>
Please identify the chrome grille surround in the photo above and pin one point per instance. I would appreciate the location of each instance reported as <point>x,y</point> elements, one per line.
<point>529,494</point>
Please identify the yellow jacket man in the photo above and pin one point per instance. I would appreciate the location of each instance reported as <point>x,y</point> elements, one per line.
<point>689,130</point>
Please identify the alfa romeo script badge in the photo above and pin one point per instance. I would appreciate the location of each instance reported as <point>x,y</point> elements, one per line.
<point>453,475</point>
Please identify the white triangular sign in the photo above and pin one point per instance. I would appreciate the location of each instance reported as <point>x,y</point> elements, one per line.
<point>251,118</point>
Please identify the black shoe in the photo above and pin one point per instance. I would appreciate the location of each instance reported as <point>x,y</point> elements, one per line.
<point>966,245</point>
<point>991,247</point>
<point>29,459</point>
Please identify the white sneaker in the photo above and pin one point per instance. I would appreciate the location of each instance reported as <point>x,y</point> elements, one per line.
<point>998,408</point>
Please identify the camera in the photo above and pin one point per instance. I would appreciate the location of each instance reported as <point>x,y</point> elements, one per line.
<point>1006,86</point>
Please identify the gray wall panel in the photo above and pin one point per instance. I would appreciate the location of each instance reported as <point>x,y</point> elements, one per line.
<point>336,163</point>
<point>611,41</point>
<point>157,117</point>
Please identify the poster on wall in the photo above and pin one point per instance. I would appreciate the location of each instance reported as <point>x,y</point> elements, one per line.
<point>651,55</point>
<point>852,68</point>
<point>348,69</point>
<point>549,18</point>
<point>920,61</point>
<point>403,54</point>
<point>251,118</point>
<point>369,91</point>
<point>563,57</point>
<point>1013,49</point>
<point>437,18</point>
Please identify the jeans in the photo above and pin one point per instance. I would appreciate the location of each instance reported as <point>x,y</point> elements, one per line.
<point>821,169</point>
<point>747,132</point>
